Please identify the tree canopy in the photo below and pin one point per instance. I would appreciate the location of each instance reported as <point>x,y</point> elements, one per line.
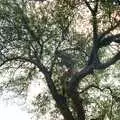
<point>70,45</point>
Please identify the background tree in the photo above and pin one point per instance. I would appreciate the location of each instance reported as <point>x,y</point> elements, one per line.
<point>41,40</point>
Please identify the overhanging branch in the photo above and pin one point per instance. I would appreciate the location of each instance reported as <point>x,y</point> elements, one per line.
<point>60,100</point>
<point>24,59</point>
<point>109,30</point>
<point>109,39</point>
<point>108,63</point>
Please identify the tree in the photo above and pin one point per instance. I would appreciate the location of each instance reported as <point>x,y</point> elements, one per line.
<point>42,38</point>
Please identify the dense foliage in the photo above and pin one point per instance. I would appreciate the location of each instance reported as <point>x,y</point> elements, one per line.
<point>71,47</point>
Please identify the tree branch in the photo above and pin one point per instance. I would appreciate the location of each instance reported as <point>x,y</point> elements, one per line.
<point>90,86</point>
<point>26,22</point>
<point>73,84</point>
<point>96,6</point>
<point>88,5</point>
<point>24,59</point>
<point>108,31</point>
<point>60,100</point>
<point>109,39</point>
<point>74,95</point>
<point>78,106</point>
<point>108,63</point>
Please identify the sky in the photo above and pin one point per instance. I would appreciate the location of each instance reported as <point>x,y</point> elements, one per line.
<point>12,112</point>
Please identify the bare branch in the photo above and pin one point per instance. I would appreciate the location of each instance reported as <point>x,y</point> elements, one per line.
<point>88,5</point>
<point>96,6</point>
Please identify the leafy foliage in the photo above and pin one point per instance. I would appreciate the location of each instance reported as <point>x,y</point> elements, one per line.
<point>35,40</point>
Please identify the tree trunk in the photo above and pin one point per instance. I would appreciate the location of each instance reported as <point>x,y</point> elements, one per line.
<point>59,99</point>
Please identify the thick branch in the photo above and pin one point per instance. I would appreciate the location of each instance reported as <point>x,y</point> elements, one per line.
<point>60,100</point>
<point>95,25</point>
<point>78,106</point>
<point>107,40</point>
<point>108,63</point>
<point>74,95</point>
<point>109,30</point>
<point>73,84</point>
<point>93,56</point>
